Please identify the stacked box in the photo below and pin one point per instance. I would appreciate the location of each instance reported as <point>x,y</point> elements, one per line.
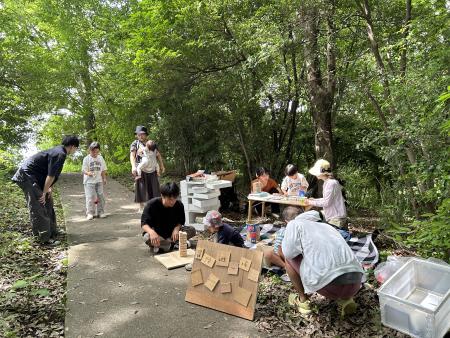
<point>199,197</point>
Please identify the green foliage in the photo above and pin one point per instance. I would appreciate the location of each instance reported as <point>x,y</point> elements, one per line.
<point>431,237</point>
<point>225,85</point>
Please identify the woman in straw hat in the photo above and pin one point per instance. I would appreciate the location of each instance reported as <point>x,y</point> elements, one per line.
<point>332,202</point>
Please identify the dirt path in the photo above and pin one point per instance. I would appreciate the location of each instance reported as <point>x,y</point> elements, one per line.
<point>116,289</point>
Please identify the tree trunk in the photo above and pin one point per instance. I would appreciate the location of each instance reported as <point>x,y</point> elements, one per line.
<point>321,91</point>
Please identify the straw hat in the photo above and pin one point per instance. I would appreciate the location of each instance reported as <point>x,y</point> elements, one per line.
<point>320,167</point>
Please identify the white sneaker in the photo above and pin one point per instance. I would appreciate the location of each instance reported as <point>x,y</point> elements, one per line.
<point>89,217</point>
<point>102,216</point>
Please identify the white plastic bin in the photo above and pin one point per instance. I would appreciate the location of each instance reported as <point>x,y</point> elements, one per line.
<point>416,299</point>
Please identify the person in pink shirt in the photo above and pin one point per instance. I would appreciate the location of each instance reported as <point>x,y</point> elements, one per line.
<point>333,201</point>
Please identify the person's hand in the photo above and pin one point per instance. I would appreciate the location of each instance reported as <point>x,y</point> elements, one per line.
<point>163,170</point>
<point>175,234</point>
<point>134,172</point>
<point>42,198</point>
<point>158,173</point>
<point>90,173</point>
<point>154,238</point>
<point>104,181</point>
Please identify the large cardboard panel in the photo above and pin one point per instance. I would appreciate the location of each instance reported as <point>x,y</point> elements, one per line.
<point>226,301</point>
<point>172,260</point>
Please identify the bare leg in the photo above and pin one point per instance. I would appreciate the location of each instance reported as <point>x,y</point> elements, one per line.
<point>297,282</point>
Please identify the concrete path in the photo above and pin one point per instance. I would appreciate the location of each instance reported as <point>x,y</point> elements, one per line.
<point>115,288</point>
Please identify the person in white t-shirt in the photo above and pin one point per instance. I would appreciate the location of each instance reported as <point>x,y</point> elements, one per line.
<point>94,177</point>
<point>333,201</point>
<point>149,161</point>
<point>294,183</point>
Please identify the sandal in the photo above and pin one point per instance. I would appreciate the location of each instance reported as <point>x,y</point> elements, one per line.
<point>303,307</point>
<point>346,306</point>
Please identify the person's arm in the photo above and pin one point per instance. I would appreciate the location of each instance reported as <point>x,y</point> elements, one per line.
<point>103,169</point>
<point>85,167</point>
<point>146,221</point>
<point>160,160</point>
<point>277,187</point>
<point>154,237</point>
<point>237,239</point>
<point>176,233</point>
<point>103,176</point>
<point>284,186</point>
<point>133,162</point>
<point>328,196</point>
<point>48,183</point>
<point>304,183</point>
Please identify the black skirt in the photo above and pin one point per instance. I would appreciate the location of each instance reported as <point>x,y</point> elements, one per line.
<point>146,187</point>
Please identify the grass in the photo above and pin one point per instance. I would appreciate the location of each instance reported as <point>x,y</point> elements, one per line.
<point>32,277</point>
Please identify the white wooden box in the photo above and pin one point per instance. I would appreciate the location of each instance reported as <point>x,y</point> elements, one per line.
<point>218,184</point>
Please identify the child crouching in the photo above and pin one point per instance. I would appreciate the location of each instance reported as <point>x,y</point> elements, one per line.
<point>225,233</point>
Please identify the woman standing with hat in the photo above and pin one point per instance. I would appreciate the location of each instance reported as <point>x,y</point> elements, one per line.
<point>333,202</point>
<point>147,186</point>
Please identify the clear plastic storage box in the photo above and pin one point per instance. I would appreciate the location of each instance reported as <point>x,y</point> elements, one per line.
<point>416,299</point>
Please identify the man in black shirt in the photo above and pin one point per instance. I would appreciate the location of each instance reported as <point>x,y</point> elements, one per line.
<point>163,218</point>
<point>36,176</point>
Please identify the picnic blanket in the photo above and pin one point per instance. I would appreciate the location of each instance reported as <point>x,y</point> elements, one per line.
<point>365,250</point>
<point>363,247</point>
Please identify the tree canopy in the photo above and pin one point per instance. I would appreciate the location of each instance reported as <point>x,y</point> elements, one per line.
<point>240,84</point>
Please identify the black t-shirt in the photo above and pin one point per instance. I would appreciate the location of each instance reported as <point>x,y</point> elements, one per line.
<point>161,219</point>
<point>229,235</point>
<point>45,163</point>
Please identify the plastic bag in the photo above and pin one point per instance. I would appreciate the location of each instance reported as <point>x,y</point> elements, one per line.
<point>385,270</point>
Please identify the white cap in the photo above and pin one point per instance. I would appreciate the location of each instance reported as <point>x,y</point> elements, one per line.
<point>320,167</point>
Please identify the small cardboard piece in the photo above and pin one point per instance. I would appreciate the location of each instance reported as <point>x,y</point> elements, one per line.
<point>211,282</point>
<point>196,277</point>
<point>208,260</point>
<point>172,260</point>
<point>223,258</point>
<point>233,268</point>
<point>245,264</point>
<point>253,275</point>
<point>225,287</point>
<point>242,296</point>
<point>199,253</point>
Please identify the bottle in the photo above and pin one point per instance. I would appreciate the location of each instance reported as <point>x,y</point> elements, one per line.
<point>257,187</point>
<point>301,193</point>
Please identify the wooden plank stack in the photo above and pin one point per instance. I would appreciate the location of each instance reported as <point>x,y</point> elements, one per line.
<point>182,242</point>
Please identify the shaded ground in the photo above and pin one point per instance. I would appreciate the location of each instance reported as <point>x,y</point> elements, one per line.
<point>115,288</point>
<point>115,285</point>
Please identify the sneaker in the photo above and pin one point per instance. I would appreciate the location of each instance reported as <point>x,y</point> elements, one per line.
<point>154,249</point>
<point>285,278</point>
<point>51,243</point>
<point>303,307</point>
<point>102,216</point>
<point>188,267</point>
<point>89,217</point>
<point>346,307</point>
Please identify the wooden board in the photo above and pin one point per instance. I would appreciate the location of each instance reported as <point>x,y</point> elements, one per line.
<point>172,260</point>
<point>233,294</point>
